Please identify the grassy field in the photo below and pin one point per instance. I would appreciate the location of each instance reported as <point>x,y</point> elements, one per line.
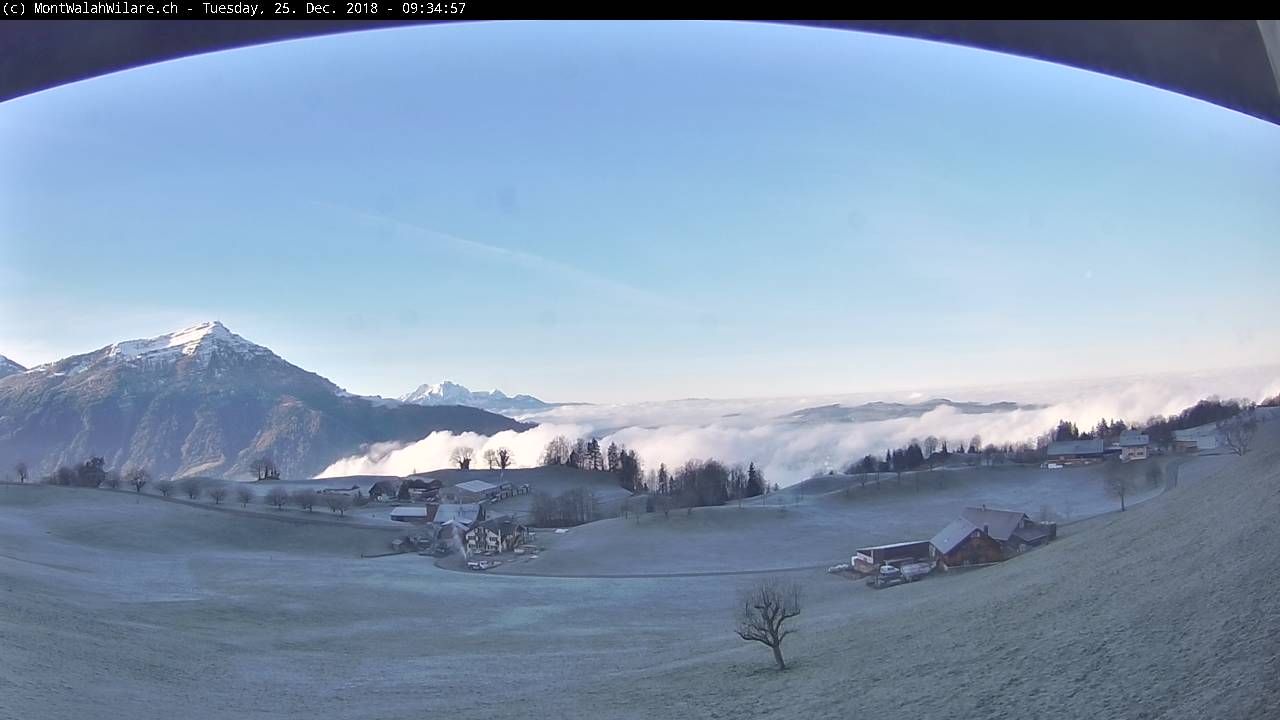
<point>118,606</point>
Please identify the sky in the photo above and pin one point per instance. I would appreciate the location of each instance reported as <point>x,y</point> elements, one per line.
<point>612,212</point>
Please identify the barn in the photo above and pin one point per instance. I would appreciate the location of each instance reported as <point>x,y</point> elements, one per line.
<point>1076,451</point>
<point>986,535</point>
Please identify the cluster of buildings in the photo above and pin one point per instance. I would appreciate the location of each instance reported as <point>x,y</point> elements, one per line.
<point>1129,446</point>
<point>980,536</point>
<point>456,516</point>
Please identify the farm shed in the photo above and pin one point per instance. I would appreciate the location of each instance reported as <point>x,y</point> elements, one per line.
<point>869,558</point>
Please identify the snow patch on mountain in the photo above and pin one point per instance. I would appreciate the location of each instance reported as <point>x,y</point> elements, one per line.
<point>451,393</point>
<point>199,340</point>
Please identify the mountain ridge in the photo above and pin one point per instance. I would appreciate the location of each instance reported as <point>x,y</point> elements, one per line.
<point>203,400</point>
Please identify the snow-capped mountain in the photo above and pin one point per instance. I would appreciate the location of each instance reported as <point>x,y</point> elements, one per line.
<point>202,400</point>
<point>9,367</point>
<point>451,393</point>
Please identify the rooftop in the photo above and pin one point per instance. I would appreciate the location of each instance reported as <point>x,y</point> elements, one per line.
<point>1076,447</point>
<point>476,486</point>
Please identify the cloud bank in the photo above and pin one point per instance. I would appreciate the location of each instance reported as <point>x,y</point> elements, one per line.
<point>789,451</point>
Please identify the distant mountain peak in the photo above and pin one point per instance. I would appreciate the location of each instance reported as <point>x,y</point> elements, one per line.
<point>196,340</point>
<point>448,392</point>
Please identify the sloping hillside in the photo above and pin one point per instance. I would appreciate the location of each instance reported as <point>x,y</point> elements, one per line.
<point>109,606</point>
<point>1169,610</point>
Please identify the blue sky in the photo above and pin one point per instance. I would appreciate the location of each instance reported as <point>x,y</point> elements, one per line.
<point>610,212</point>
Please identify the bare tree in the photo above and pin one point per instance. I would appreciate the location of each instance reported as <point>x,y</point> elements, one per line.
<point>491,457</point>
<point>504,458</point>
<point>461,456</point>
<point>338,502</point>
<point>218,493</point>
<point>557,451</point>
<point>20,469</point>
<point>1237,432</point>
<point>165,487</point>
<point>1155,474</point>
<point>191,487</point>
<point>765,609</point>
<point>244,494</point>
<point>278,496</point>
<point>305,499</point>
<point>1120,480</point>
<point>138,478</point>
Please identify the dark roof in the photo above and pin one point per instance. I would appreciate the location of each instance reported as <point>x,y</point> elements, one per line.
<point>950,537</point>
<point>503,523</point>
<point>1076,447</point>
<point>1031,535</point>
<point>1000,524</point>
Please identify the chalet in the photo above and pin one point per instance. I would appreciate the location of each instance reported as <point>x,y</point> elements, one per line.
<point>983,535</point>
<point>868,559</point>
<point>1076,451</point>
<point>1133,446</point>
<point>495,535</point>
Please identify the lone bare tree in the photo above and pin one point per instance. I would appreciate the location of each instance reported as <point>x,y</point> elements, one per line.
<point>1120,480</point>
<point>165,487</point>
<point>765,608</point>
<point>504,458</point>
<point>191,487</point>
<point>338,502</point>
<point>461,456</point>
<point>20,469</point>
<point>218,493</point>
<point>491,457</point>
<point>138,478</point>
<point>278,496</point>
<point>244,494</point>
<point>1237,432</point>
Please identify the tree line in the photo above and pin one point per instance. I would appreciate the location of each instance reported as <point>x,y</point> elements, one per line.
<point>916,454</point>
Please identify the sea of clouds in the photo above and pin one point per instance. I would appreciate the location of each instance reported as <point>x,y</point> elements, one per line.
<point>789,449</point>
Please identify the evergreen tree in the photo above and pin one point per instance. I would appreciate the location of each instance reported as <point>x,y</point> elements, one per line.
<point>755,481</point>
<point>612,457</point>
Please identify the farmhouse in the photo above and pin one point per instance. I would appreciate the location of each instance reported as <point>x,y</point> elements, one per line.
<point>984,535</point>
<point>868,559</point>
<point>495,535</point>
<point>1076,451</point>
<point>1133,446</point>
